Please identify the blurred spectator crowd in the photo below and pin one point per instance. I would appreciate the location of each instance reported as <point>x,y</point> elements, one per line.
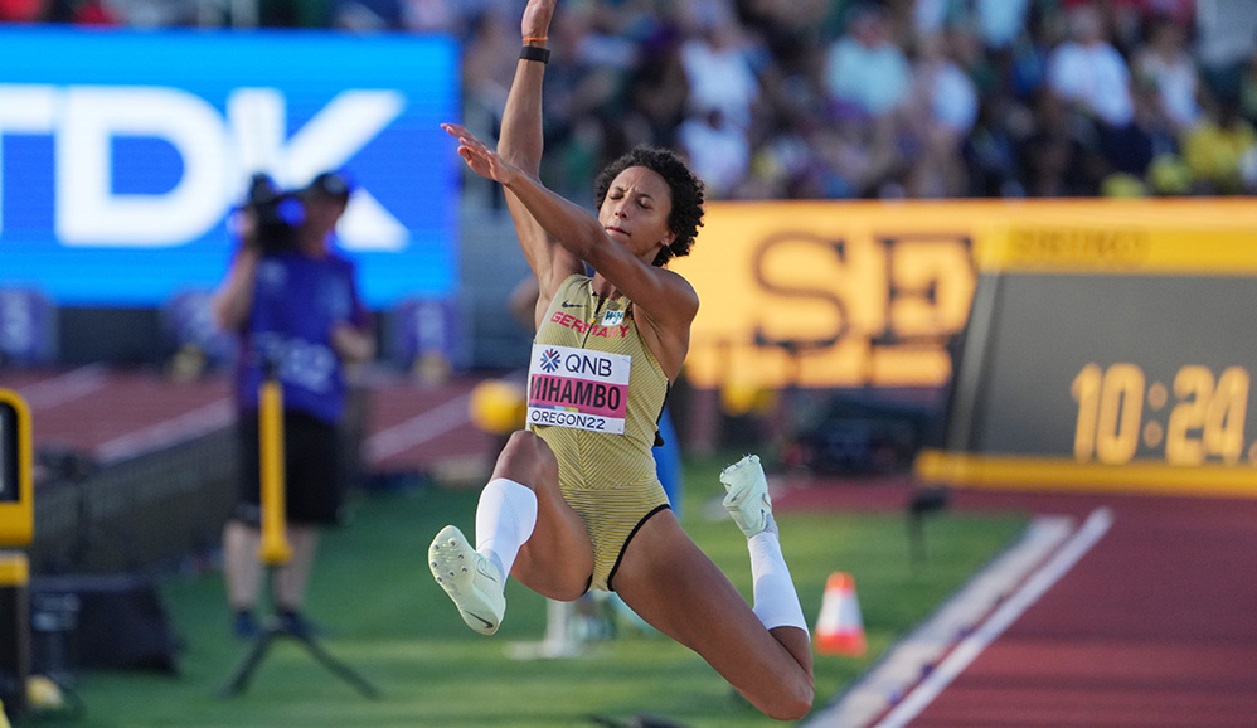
<point>839,99</point>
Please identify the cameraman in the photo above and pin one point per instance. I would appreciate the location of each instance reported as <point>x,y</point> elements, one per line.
<point>292,298</point>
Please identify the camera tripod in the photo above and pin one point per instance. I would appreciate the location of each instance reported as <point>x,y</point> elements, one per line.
<point>275,550</point>
<point>262,643</point>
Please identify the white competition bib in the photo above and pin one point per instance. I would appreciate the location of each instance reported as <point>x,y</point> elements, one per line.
<point>578,388</point>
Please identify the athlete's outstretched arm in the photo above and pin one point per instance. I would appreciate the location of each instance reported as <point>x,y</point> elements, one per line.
<point>521,144</point>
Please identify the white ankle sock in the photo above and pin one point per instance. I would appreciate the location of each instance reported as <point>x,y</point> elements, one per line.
<point>776,601</point>
<point>505,518</point>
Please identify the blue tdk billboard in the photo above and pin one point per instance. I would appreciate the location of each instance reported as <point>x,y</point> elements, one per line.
<point>122,154</point>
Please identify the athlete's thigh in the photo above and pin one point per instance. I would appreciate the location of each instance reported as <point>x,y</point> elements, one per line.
<point>675,587</point>
<point>558,559</point>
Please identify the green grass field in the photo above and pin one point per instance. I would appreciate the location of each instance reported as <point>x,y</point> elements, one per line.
<point>388,620</point>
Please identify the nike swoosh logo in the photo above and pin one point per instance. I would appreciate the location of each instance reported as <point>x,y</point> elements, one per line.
<point>483,621</point>
<point>570,305</point>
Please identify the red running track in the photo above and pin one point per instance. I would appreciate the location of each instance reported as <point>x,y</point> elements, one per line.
<point>1154,625</point>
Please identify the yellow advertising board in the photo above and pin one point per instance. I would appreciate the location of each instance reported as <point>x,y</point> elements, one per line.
<point>840,294</point>
<point>829,294</point>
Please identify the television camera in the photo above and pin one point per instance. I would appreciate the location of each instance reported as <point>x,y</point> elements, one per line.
<point>277,214</point>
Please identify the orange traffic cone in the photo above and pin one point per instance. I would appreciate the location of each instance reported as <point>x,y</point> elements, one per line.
<point>840,629</point>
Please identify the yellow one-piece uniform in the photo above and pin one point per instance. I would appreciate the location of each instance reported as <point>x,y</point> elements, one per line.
<point>595,394</point>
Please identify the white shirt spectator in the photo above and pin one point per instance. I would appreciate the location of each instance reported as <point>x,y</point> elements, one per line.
<point>943,93</point>
<point>1095,75</point>
<point>1088,70</point>
<point>1000,21</point>
<point>1166,61</point>
<point>720,75</point>
<point>954,102</point>
<point>718,151</point>
<point>866,69</point>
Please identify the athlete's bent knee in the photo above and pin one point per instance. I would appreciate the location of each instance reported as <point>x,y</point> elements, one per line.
<point>570,594</point>
<point>795,710</point>
<point>789,704</point>
<point>527,459</point>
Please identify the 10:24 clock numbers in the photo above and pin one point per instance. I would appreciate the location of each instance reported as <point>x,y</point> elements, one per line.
<point>1206,422</point>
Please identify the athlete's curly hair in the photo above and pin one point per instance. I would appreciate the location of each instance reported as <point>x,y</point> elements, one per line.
<point>686,216</point>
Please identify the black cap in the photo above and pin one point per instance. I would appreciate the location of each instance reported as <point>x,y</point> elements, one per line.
<point>330,184</point>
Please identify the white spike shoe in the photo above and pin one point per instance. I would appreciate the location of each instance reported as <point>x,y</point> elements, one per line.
<point>746,495</point>
<point>472,581</point>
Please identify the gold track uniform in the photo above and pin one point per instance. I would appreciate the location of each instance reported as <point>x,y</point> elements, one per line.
<point>594,395</point>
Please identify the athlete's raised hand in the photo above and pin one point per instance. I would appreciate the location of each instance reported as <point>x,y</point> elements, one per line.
<point>536,20</point>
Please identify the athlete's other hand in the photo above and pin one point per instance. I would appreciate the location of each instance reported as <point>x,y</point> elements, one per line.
<point>479,157</point>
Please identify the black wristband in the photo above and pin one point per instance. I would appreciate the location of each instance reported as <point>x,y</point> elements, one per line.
<point>534,53</point>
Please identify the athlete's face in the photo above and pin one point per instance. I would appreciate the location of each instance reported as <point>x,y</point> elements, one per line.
<point>635,212</point>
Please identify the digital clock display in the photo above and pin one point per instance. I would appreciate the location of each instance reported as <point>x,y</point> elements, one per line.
<point>1076,376</point>
<point>1206,419</point>
<point>1117,357</point>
